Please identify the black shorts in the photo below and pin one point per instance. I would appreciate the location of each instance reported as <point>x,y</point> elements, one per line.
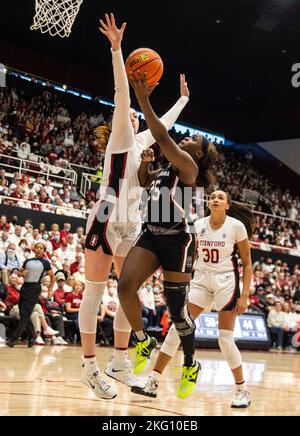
<point>175,252</point>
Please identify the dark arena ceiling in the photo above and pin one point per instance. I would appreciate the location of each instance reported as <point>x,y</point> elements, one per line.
<point>237,56</point>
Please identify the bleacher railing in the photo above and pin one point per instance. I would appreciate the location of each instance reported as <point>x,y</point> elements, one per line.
<point>22,168</point>
<point>46,207</point>
<point>86,183</point>
<point>264,214</point>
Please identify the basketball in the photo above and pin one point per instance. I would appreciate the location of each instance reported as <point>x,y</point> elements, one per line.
<point>147,61</point>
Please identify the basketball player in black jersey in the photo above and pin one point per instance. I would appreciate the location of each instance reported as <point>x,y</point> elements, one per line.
<point>168,244</point>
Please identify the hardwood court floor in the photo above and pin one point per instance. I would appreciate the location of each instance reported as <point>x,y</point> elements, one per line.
<point>46,381</point>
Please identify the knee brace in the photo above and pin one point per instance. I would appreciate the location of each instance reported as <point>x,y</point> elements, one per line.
<point>120,321</point>
<point>229,349</point>
<point>171,342</point>
<point>176,295</point>
<point>89,307</point>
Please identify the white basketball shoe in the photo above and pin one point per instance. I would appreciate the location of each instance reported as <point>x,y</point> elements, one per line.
<point>123,374</point>
<point>95,383</point>
<point>241,400</point>
<point>149,390</point>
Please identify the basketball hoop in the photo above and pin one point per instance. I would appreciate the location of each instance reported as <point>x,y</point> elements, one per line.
<point>55,16</point>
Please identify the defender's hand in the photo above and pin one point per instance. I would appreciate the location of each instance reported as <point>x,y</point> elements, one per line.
<point>111,31</point>
<point>147,155</point>
<point>184,90</point>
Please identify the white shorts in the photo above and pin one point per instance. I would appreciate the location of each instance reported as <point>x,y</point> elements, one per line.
<point>221,290</point>
<point>116,239</point>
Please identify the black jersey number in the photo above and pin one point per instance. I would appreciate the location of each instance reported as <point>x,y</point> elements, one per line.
<point>210,255</point>
<point>154,191</point>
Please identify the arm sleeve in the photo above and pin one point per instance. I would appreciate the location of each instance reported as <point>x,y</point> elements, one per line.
<point>47,265</point>
<point>122,135</point>
<point>145,139</point>
<point>241,232</point>
<point>24,264</point>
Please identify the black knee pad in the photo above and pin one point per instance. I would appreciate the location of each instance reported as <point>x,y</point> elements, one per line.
<point>177,297</point>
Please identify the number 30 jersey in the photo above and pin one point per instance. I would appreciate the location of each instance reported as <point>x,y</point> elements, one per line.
<point>217,249</point>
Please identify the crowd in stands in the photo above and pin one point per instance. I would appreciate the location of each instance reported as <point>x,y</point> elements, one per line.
<point>275,292</point>
<point>43,126</point>
<point>38,194</point>
<point>275,287</point>
<point>283,236</point>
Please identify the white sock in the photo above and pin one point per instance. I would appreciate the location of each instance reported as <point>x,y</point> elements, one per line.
<point>90,364</point>
<point>156,375</point>
<point>241,386</point>
<point>141,335</point>
<point>120,358</point>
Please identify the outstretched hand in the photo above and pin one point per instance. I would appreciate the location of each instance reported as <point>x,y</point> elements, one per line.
<point>184,90</point>
<point>111,31</point>
<point>139,83</point>
<point>147,155</point>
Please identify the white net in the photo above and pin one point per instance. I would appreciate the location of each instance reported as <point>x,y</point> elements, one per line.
<point>55,16</point>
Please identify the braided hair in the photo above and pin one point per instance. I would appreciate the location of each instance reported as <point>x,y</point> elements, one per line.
<point>243,213</point>
<point>102,134</point>
<point>206,165</point>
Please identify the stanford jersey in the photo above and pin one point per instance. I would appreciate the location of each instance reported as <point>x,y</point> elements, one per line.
<point>217,250</point>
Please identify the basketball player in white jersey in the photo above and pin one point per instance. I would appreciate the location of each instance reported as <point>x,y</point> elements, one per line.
<point>115,222</point>
<point>216,282</point>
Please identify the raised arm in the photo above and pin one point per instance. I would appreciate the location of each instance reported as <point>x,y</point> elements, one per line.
<point>188,170</point>
<point>145,139</point>
<point>122,135</point>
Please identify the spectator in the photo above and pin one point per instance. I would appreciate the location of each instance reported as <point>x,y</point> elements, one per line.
<point>17,235</point>
<point>79,276</point>
<point>75,265</point>
<point>4,226</point>
<point>63,253</point>
<point>108,309</point>
<point>55,263</point>
<point>160,306</point>
<point>70,281</point>
<point>64,233</point>
<point>289,325</point>
<point>55,240</point>
<point>9,262</point>
<point>79,235</point>
<point>148,303</point>
<point>59,292</point>
<point>73,301</point>
<point>4,241</point>
<point>54,315</point>
<point>276,324</point>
